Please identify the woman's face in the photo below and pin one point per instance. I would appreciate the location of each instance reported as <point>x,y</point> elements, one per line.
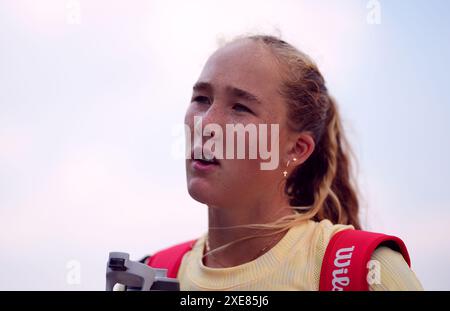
<point>238,85</point>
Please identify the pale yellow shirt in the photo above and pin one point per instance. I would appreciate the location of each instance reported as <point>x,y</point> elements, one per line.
<point>294,263</point>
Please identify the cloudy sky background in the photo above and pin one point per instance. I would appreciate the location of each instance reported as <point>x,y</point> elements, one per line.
<point>92,95</point>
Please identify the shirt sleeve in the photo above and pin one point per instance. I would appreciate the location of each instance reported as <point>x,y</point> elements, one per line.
<point>390,272</point>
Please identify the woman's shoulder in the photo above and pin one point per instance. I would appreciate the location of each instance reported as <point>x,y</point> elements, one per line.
<point>323,231</point>
<point>393,272</point>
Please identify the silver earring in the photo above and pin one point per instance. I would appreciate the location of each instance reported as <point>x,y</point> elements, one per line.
<point>287,164</point>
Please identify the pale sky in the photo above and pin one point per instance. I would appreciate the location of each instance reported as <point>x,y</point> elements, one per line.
<point>92,94</point>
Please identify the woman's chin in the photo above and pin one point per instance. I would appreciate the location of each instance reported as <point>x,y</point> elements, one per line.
<point>201,190</point>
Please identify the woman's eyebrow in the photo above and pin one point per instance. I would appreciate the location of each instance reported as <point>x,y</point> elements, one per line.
<point>233,91</point>
<point>202,86</point>
<point>236,92</point>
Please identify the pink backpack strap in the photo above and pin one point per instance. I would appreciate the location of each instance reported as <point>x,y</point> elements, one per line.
<point>170,258</point>
<point>344,266</point>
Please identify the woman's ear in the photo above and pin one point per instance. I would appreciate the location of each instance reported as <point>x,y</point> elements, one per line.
<point>302,147</point>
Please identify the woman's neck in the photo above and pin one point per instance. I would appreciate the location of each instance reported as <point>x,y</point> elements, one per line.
<point>220,218</point>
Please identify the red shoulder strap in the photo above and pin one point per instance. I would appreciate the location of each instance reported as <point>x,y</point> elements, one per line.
<point>170,258</point>
<point>344,266</point>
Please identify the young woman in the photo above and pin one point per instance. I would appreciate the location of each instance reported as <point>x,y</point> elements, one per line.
<point>269,229</point>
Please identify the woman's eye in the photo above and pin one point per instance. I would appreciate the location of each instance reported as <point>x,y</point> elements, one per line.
<point>201,99</point>
<point>240,107</point>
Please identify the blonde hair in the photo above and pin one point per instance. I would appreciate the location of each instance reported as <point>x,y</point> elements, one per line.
<point>323,186</point>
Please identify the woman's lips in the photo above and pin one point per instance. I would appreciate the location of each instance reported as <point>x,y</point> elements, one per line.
<point>204,166</point>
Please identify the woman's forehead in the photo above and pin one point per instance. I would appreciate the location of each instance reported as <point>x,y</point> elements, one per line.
<point>244,64</point>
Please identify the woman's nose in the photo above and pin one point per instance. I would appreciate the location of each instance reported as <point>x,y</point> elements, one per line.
<point>214,115</point>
